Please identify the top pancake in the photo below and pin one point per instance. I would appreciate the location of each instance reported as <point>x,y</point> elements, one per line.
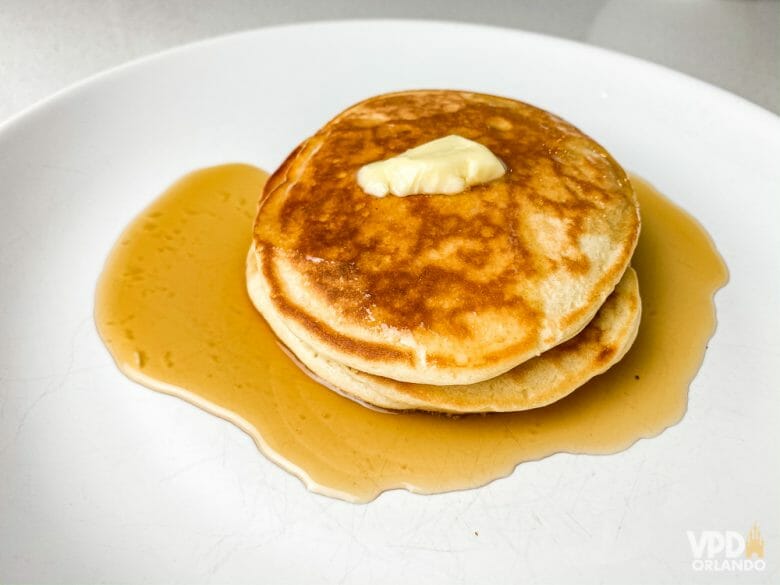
<point>444,289</point>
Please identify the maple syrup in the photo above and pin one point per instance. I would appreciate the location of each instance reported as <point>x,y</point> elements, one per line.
<point>173,311</point>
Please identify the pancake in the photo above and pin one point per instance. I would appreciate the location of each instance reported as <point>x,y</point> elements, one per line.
<point>443,289</point>
<point>534,383</point>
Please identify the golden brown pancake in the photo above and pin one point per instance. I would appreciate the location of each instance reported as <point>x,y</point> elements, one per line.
<point>534,383</point>
<point>444,289</point>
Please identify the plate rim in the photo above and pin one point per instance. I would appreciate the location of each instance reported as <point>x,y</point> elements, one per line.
<point>105,75</point>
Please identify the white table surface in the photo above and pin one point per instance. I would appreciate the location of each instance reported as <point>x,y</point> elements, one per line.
<point>46,45</point>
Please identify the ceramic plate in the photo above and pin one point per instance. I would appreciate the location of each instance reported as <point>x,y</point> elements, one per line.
<point>103,480</point>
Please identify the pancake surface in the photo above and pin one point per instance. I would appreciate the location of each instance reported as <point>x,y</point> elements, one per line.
<point>533,384</point>
<point>444,289</point>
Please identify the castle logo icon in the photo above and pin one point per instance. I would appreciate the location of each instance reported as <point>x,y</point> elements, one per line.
<point>754,544</point>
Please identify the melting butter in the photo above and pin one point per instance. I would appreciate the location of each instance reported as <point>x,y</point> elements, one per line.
<point>444,166</point>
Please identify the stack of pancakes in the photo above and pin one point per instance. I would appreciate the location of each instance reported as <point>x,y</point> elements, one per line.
<point>504,297</point>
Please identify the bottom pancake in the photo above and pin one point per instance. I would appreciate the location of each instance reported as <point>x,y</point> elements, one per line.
<point>534,383</point>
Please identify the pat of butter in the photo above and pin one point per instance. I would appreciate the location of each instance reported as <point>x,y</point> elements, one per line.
<point>443,166</point>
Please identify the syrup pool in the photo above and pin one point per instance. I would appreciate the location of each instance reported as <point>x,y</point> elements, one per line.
<point>172,309</point>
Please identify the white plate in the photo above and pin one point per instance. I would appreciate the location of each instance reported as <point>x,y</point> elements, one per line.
<point>102,480</point>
